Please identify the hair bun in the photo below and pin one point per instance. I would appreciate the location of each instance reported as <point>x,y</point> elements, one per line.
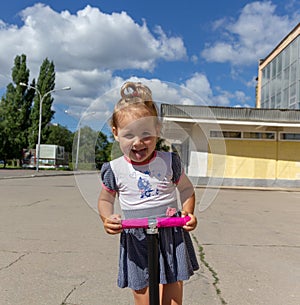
<point>136,89</point>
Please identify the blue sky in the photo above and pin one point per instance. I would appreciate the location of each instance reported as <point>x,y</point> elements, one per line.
<point>209,48</point>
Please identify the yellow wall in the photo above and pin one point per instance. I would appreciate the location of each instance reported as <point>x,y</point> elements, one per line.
<point>288,160</point>
<point>255,160</point>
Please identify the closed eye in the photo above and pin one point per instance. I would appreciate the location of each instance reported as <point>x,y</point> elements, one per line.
<point>147,134</point>
<point>128,136</point>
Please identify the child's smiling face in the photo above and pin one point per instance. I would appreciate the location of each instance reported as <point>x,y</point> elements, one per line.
<point>137,137</point>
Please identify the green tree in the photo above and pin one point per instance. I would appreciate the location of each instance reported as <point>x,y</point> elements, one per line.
<point>102,150</point>
<point>45,83</point>
<point>84,149</point>
<point>15,109</point>
<point>161,145</point>
<point>60,135</point>
<point>2,138</point>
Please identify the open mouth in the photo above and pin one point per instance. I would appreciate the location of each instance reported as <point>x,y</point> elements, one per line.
<point>139,154</point>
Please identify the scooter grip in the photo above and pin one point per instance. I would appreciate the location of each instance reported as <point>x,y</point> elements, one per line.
<point>161,222</point>
<point>134,223</point>
<point>172,221</point>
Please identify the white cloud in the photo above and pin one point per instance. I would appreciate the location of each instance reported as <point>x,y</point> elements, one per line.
<point>194,59</point>
<point>195,91</point>
<point>92,39</point>
<point>226,98</point>
<point>90,47</point>
<point>86,48</point>
<point>200,86</point>
<point>251,37</point>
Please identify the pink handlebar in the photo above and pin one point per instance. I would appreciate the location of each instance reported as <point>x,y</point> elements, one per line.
<point>161,222</point>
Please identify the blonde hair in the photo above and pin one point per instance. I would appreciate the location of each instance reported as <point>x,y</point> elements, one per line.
<point>135,98</point>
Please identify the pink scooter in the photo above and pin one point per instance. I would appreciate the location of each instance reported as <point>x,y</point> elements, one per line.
<point>152,225</point>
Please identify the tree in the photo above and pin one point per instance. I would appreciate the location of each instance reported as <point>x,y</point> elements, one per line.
<point>102,150</point>
<point>60,135</point>
<point>2,136</point>
<point>85,147</point>
<point>45,83</point>
<point>160,145</point>
<point>15,109</point>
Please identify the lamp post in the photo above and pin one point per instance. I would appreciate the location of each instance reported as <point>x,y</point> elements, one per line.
<point>41,98</point>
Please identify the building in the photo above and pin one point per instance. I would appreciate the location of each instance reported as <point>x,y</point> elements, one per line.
<point>278,83</point>
<point>245,146</point>
<point>235,146</point>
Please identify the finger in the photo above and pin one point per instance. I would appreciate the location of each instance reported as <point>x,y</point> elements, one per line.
<point>114,218</point>
<point>113,230</point>
<point>188,228</point>
<point>114,226</point>
<point>183,213</point>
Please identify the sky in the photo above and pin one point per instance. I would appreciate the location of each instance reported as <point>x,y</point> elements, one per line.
<point>188,52</point>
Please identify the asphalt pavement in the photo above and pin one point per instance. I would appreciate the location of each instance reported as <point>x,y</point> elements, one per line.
<point>54,251</point>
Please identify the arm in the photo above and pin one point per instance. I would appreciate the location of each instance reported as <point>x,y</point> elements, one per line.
<point>187,198</point>
<point>111,222</point>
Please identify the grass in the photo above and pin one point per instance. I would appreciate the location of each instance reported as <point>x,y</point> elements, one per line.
<point>210,269</point>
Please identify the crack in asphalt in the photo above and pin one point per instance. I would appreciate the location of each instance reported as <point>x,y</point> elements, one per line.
<point>13,262</point>
<point>41,252</point>
<point>64,302</point>
<point>210,269</point>
<point>253,245</point>
<point>36,202</point>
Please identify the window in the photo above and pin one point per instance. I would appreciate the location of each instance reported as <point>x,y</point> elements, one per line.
<point>279,63</point>
<point>263,93</point>
<point>286,56</point>
<point>292,90</point>
<point>293,72</point>
<point>288,136</point>
<point>225,134</point>
<point>285,98</point>
<point>273,88</point>
<point>273,67</point>
<point>278,100</point>
<point>267,93</point>
<point>293,51</point>
<point>272,101</point>
<point>267,72</point>
<point>259,135</point>
<point>292,104</point>
<point>280,84</point>
<point>285,80</point>
<point>253,135</point>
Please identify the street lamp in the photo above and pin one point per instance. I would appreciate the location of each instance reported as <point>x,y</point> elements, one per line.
<point>41,98</point>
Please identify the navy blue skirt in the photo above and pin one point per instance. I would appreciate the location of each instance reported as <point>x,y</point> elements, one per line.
<point>177,258</point>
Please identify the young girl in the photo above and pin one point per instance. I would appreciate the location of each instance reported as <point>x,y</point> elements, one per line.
<point>145,181</point>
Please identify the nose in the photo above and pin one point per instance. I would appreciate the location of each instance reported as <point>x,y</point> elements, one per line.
<point>138,142</point>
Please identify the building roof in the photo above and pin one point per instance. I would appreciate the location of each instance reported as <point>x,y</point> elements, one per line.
<point>231,115</point>
<point>296,28</point>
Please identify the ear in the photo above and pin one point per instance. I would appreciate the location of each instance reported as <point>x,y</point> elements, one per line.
<point>115,133</point>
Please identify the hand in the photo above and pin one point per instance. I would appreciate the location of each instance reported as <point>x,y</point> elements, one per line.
<point>112,224</point>
<point>192,223</point>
